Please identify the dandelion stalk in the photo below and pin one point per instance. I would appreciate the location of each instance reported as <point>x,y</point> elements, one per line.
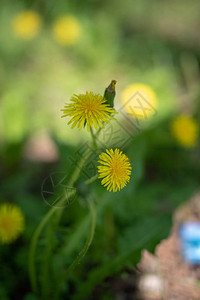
<point>93,138</point>
<point>52,227</point>
<point>46,265</point>
<point>83,251</point>
<point>92,179</point>
<point>32,270</point>
<point>79,168</point>
<point>74,177</point>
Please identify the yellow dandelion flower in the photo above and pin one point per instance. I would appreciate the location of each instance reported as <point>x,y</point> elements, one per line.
<point>185,130</point>
<point>66,30</point>
<point>11,223</point>
<point>115,169</point>
<point>88,109</point>
<point>139,100</point>
<point>26,25</point>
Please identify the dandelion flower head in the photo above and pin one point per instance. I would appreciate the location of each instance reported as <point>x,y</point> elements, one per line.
<point>11,223</point>
<point>115,169</point>
<point>88,109</point>
<point>185,130</point>
<point>66,30</point>
<point>139,101</point>
<point>26,25</point>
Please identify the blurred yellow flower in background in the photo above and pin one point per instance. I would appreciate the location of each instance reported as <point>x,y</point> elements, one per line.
<point>11,223</point>
<point>26,25</point>
<point>139,100</point>
<point>115,169</point>
<point>66,30</point>
<point>185,130</point>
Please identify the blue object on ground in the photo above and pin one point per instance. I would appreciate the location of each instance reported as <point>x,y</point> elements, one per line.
<point>190,242</point>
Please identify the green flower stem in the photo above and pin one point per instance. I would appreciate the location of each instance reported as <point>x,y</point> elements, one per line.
<point>74,178</point>
<point>46,263</point>
<point>83,251</point>
<point>99,131</point>
<point>92,179</point>
<point>44,221</point>
<point>32,271</point>
<point>94,136</point>
<point>79,168</point>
